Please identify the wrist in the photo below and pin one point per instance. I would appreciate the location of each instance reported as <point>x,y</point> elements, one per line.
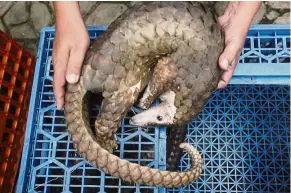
<point>67,12</point>
<point>248,10</point>
<point>238,17</point>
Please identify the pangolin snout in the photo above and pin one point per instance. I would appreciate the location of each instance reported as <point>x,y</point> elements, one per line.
<point>138,120</point>
<point>132,121</point>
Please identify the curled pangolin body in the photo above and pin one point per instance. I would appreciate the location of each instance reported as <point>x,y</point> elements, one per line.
<point>117,65</point>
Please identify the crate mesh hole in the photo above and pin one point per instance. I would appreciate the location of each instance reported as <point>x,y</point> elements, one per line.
<point>251,59</point>
<point>288,42</point>
<point>12,109</point>
<point>5,137</point>
<point>51,70</point>
<point>7,77</point>
<point>18,83</point>
<point>15,96</point>
<point>284,59</point>
<point>256,43</point>
<point>279,43</point>
<point>3,43</point>
<point>10,63</point>
<point>3,156</point>
<point>1,59</point>
<point>2,104</point>
<point>9,123</point>
<point>14,50</point>
<point>21,71</point>
<point>24,60</point>
<point>268,53</point>
<point>267,43</point>
<point>247,44</point>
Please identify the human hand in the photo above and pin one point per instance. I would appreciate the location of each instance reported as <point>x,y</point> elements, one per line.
<point>235,23</point>
<point>70,45</point>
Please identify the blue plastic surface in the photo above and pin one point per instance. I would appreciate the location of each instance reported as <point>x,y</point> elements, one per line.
<point>242,133</point>
<point>265,57</point>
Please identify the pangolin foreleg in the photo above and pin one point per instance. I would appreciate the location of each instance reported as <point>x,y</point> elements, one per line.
<point>112,110</point>
<point>161,80</point>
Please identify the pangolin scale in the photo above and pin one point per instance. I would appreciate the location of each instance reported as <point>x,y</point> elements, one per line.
<point>180,42</point>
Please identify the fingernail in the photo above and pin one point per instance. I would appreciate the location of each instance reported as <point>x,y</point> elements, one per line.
<point>58,107</point>
<point>220,85</point>
<point>224,64</point>
<point>72,78</point>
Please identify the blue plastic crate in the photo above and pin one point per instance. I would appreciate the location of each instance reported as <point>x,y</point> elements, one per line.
<point>242,133</point>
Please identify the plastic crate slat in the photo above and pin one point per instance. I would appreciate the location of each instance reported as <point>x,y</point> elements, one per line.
<point>263,69</point>
<point>266,48</point>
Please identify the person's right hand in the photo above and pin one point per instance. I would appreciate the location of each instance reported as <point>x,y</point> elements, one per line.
<point>70,45</point>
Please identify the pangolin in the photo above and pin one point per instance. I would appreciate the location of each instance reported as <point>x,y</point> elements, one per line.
<point>168,49</point>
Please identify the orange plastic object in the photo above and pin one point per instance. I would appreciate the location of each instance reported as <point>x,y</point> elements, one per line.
<point>16,77</point>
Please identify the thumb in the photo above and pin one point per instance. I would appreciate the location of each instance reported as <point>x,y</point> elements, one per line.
<point>74,65</point>
<point>227,59</point>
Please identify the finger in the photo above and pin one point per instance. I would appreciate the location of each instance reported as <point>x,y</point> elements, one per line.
<point>225,79</point>
<point>60,60</point>
<point>228,56</point>
<point>226,76</point>
<point>59,90</point>
<point>74,65</point>
<point>223,20</point>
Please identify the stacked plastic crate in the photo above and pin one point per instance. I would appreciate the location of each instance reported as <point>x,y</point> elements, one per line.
<point>16,77</point>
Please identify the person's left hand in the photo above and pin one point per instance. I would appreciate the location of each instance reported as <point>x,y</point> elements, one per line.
<point>235,23</point>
